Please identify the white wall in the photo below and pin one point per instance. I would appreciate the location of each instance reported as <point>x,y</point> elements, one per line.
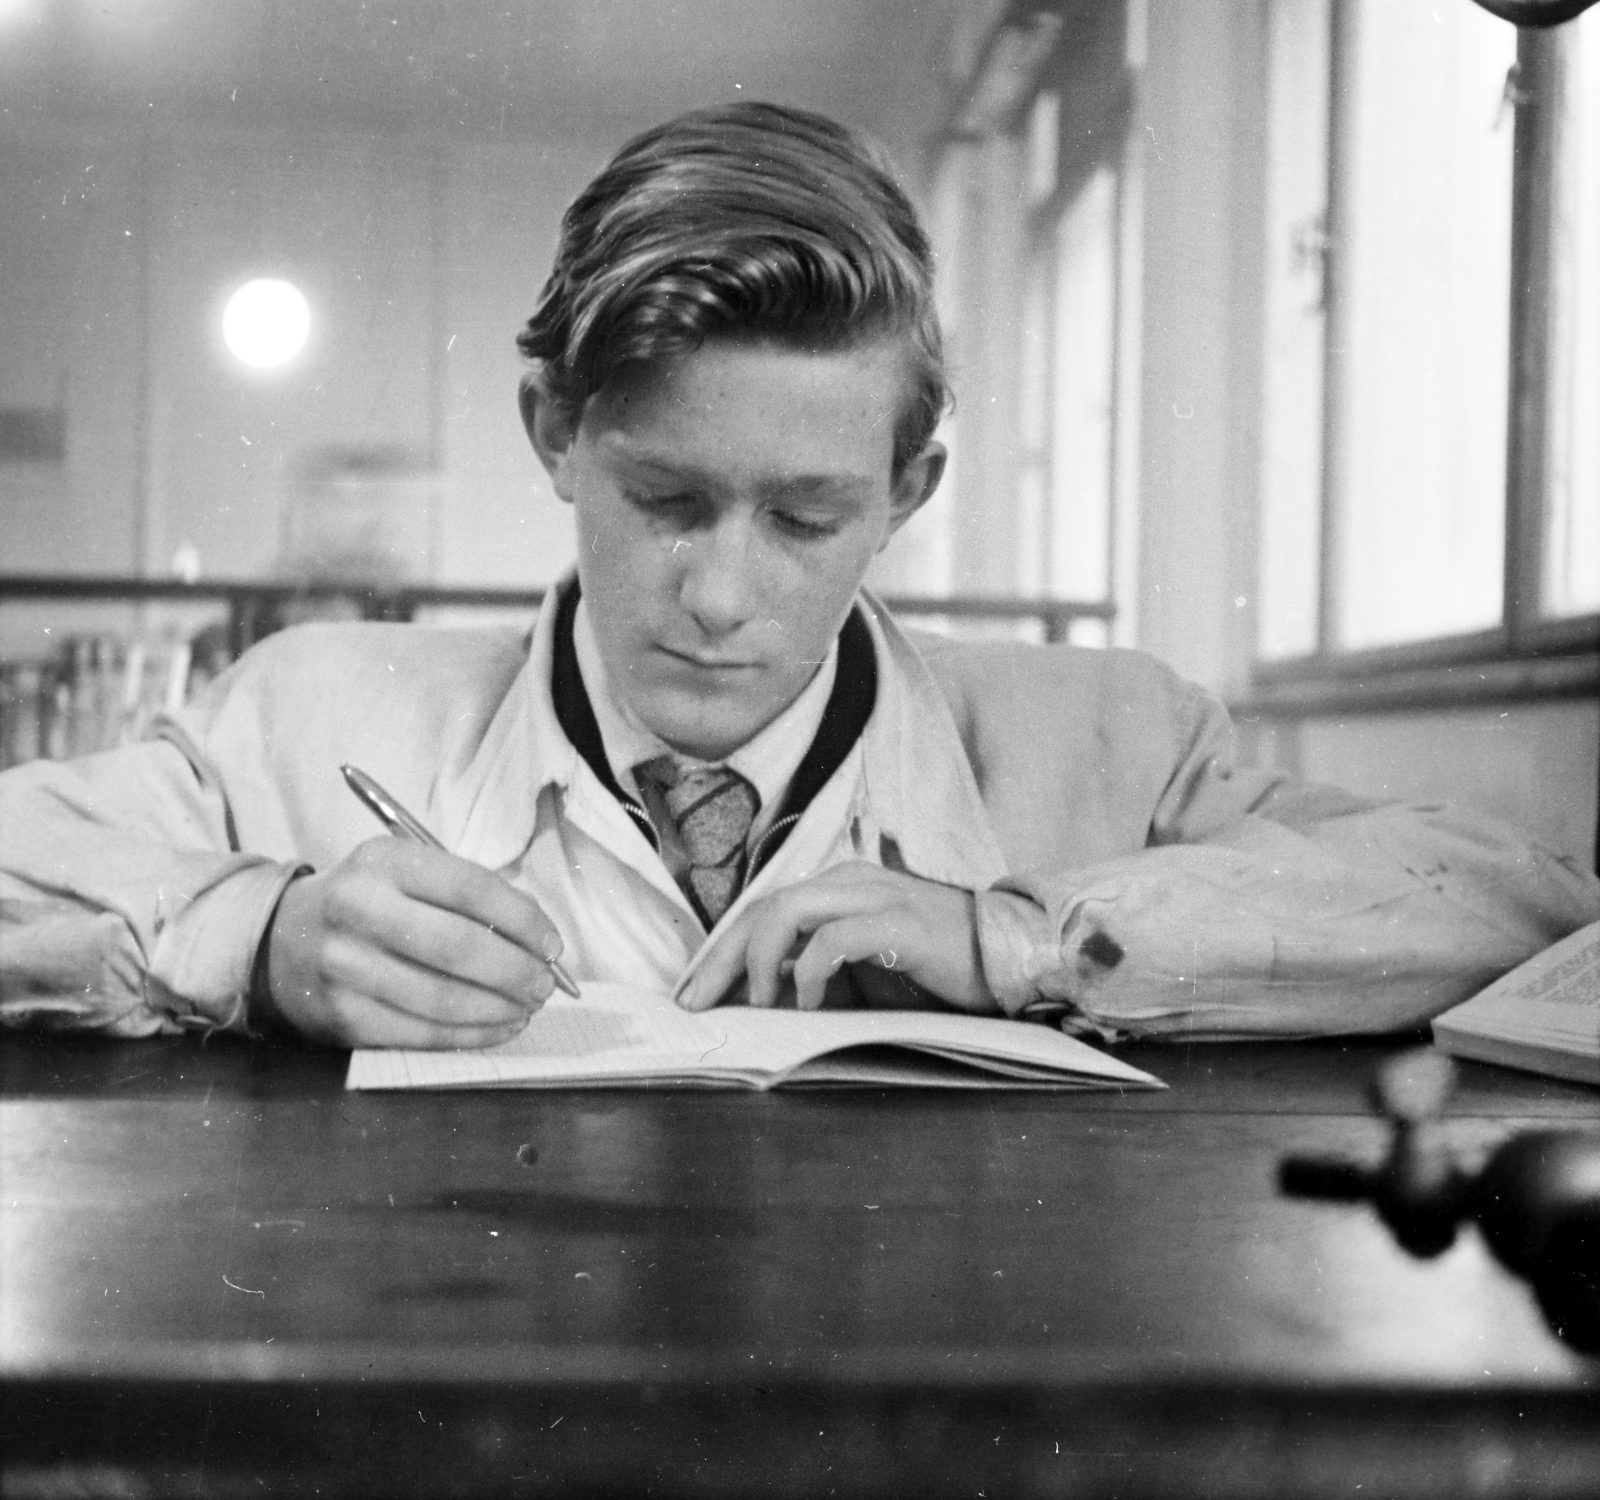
<point>421,258</point>
<point>1532,764</point>
<point>72,314</point>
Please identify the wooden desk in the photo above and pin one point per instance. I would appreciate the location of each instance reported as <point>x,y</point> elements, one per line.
<point>220,1275</point>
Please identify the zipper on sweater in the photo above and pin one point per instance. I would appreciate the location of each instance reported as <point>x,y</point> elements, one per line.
<point>642,818</point>
<point>753,864</point>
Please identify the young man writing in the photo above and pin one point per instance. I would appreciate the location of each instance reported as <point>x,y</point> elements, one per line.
<point>719,769</point>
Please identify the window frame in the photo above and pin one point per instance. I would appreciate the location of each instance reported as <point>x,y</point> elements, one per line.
<point>1526,655</point>
<point>1093,115</point>
<point>1001,63</point>
<point>1091,127</point>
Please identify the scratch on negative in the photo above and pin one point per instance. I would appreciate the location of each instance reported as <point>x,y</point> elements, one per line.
<point>235,1285</point>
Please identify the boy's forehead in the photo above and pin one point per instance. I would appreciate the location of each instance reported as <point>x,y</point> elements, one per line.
<point>698,373</point>
<point>842,403</point>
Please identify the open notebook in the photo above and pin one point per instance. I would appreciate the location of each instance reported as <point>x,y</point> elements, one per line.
<point>615,1037</point>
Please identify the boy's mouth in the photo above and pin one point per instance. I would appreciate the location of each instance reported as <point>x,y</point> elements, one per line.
<point>708,663</point>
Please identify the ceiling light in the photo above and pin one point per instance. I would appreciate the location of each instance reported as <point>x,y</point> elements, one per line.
<point>266,322</point>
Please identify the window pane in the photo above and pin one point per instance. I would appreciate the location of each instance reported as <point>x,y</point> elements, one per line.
<point>1572,539</point>
<point>1084,370</point>
<point>1033,521</point>
<point>1426,266</point>
<point>1094,633</point>
<point>921,558</point>
<point>1291,460</point>
<point>1044,128</point>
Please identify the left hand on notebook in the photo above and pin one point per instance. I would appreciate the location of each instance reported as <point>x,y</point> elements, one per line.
<point>887,926</point>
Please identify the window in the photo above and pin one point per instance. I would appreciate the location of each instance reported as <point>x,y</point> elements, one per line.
<point>1572,539</point>
<point>1067,481</point>
<point>1431,455</point>
<point>1028,213</point>
<point>1083,373</point>
<point>1422,203</point>
<point>1068,360</point>
<point>1296,212</point>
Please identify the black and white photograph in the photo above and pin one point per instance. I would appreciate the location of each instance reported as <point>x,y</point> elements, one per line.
<point>799,748</point>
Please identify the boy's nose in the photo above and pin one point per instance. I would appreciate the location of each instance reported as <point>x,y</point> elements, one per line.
<point>719,587</point>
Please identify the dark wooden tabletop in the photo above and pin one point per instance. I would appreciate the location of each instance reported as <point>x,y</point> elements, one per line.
<point>221,1274</point>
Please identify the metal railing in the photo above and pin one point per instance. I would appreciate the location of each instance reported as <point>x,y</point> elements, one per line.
<point>92,688</point>
<point>254,608</point>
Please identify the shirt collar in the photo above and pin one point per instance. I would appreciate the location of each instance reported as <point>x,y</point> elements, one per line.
<point>768,760</point>
<point>916,775</point>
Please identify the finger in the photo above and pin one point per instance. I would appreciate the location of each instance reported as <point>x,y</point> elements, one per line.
<point>761,942</point>
<point>775,926</point>
<point>775,940</point>
<point>721,970</point>
<point>459,885</point>
<point>360,1021</point>
<point>780,925</point>
<point>832,945</point>
<point>353,969</point>
<point>436,938</point>
<point>882,987</point>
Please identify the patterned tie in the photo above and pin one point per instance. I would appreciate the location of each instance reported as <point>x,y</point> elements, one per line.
<point>712,808</point>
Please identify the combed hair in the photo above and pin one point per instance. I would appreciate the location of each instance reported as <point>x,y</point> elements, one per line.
<point>749,220</point>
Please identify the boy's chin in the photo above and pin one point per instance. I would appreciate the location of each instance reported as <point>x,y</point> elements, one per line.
<point>709,730</point>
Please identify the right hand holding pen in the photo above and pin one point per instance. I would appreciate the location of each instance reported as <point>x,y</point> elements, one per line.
<point>403,946</point>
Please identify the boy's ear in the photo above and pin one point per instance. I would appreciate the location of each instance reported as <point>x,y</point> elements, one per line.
<point>550,427</point>
<point>915,486</point>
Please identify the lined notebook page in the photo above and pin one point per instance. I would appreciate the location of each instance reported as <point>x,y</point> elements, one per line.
<point>616,1035</point>
<point>612,1033</point>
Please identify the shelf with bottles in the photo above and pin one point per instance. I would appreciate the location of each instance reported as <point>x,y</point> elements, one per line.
<point>87,663</point>
<point>96,692</point>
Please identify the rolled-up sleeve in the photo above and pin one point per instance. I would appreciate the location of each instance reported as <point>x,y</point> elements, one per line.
<point>126,905</point>
<point>1264,907</point>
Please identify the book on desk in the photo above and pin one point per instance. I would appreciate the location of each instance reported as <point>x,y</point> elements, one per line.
<point>619,1037</point>
<point>1542,1017</point>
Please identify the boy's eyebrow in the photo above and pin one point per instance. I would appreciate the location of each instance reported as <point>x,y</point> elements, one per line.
<point>780,486</point>
<point>803,486</point>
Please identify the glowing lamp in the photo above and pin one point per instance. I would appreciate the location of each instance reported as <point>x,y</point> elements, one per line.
<point>266,322</point>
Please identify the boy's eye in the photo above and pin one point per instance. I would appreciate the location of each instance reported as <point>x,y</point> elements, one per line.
<point>804,527</point>
<point>676,507</point>
<point>685,509</point>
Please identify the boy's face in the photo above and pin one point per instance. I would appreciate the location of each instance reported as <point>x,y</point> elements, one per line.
<point>727,507</point>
